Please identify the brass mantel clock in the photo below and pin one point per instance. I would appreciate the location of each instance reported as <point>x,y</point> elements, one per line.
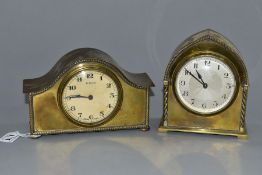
<point>87,91</point>
<point>205,87</point>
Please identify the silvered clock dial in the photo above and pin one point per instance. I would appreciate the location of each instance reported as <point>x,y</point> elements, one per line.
<point>205,87</point>
<point>205,84</point>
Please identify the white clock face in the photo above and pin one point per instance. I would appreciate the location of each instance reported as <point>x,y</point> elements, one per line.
<point>205,85</point>
<point>90,97</point>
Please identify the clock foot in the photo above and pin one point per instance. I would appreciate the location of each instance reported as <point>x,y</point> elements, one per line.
<point>35,136</point>
<point>145,129</point>
<point>243,136</point>
<point>162,130</point>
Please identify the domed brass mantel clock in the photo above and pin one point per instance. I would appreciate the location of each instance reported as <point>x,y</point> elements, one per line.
<point>87,91</point>
<point>205,87</point>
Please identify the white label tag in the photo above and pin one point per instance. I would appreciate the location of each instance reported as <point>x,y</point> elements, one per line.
<point>13,136</point>
<point>10,137</point>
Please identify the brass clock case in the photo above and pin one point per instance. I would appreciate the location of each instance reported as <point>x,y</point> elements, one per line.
<point>47,115</point>
<point>230,120</point>
<point>96,67</point>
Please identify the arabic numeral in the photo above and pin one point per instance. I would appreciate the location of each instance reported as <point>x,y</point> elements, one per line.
<point>224,96</point>
<point>226,75</point>
<point>215,103</point>
<point>72,108</point>
<point>186,72</point>
<point>108,85</point>
<point>182,83</point>
<point>102,114</point>
<point>228,86</point>
<point>195,65</point>
<point>204,106</point>
<point>72,87</point>
<point>112,95</point>
<point>207,62</point>
<point>185,93</point>
<point>90,75</point>
<point>91,117</point>
<point>79,79</point>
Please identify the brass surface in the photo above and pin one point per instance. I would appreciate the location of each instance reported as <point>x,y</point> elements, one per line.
<point>47,116</point>
<point>78,56</point>
<point>228,121</point>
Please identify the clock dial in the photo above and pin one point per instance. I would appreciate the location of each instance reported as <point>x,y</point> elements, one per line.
<point>90,97</point>
<point>205,85</point>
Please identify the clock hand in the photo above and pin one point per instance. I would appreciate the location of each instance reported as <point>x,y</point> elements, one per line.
<point>90,97</point>
<point>200,77</point>
<point>190,73</point>
<point>72,96</point>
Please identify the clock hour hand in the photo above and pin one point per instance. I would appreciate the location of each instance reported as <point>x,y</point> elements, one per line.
<point>90,97</point>
<point>190,73</point>
<point>200,77</point>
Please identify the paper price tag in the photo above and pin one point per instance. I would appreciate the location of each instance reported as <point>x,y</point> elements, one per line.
<point>13,136</point>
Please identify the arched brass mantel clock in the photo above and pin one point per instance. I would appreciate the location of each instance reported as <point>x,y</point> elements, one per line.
<point>205,87</point>
<point>87,91</point>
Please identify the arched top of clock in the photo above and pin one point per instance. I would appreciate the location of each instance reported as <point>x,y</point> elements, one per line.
<point>83,55</point>
<point>204,41</point>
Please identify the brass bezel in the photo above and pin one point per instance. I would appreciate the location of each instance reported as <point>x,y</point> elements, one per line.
<point>96,67</point>
<point>214,55</point>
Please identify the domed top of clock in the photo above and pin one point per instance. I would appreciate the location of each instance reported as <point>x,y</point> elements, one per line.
<point>83,55</point>
<point>210,41</point>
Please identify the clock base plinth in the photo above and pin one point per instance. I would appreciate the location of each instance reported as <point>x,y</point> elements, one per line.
<point>240,135</point>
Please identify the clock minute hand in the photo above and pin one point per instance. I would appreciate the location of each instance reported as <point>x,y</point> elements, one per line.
<point>72,96</point>
<point>90,97</point>
<point>190,73</point>
<point>200,77</point>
